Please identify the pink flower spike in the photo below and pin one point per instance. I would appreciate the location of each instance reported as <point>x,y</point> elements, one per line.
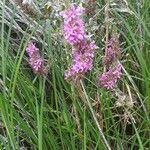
<point>109,79</point>
<point>82,60</point>
<point>35,60</point>
<point>82,49</point>
<point>36,63</point>
<point>73,27</point>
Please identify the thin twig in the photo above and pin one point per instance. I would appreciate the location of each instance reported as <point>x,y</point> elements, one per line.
<point>80,91</point>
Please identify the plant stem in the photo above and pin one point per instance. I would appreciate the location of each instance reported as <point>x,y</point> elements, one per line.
<point>106,25</point>
<point>95,119</point>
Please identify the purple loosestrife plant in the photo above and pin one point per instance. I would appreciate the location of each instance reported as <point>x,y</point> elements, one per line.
<point>35,60</point>
<point>82,49</point>
<point>109,78</point>
<point>113,72</point>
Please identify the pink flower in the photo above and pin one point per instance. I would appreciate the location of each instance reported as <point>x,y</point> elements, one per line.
<point>82,60</point>
<point>74,34</point>
<point>35,60</point>
<point>109,79</point>
<point>31,49</point>
<point>73,27</point>
<point>73,12</point>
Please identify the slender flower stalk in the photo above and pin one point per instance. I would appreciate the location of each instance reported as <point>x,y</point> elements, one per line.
<point>107,24</point>
<point>112,52</point>
<point>112,71</point>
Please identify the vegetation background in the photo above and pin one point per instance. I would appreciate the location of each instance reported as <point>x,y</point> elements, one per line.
<point>38,112</point>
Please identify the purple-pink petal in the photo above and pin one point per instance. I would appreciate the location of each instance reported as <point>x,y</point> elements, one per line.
<point>82,61</point>
<point>73,27</point>
<point>109,79</point>
<point>31,49</point>
<point>35,60</point>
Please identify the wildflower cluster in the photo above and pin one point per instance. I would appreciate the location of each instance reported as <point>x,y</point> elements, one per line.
<point>74,34</point>
<point>35,60</point>
<point>109,78</point>
<point>73,25</point>
<point>82,60</point>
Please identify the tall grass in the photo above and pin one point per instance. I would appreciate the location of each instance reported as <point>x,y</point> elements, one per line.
<point>48,112</point>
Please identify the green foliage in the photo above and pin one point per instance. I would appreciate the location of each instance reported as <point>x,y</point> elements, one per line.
<point>48,112</point>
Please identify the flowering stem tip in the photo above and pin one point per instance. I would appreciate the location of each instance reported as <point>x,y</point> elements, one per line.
<point>35,60</point>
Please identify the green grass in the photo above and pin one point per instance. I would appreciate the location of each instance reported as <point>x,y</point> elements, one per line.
<point>48,112</point>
